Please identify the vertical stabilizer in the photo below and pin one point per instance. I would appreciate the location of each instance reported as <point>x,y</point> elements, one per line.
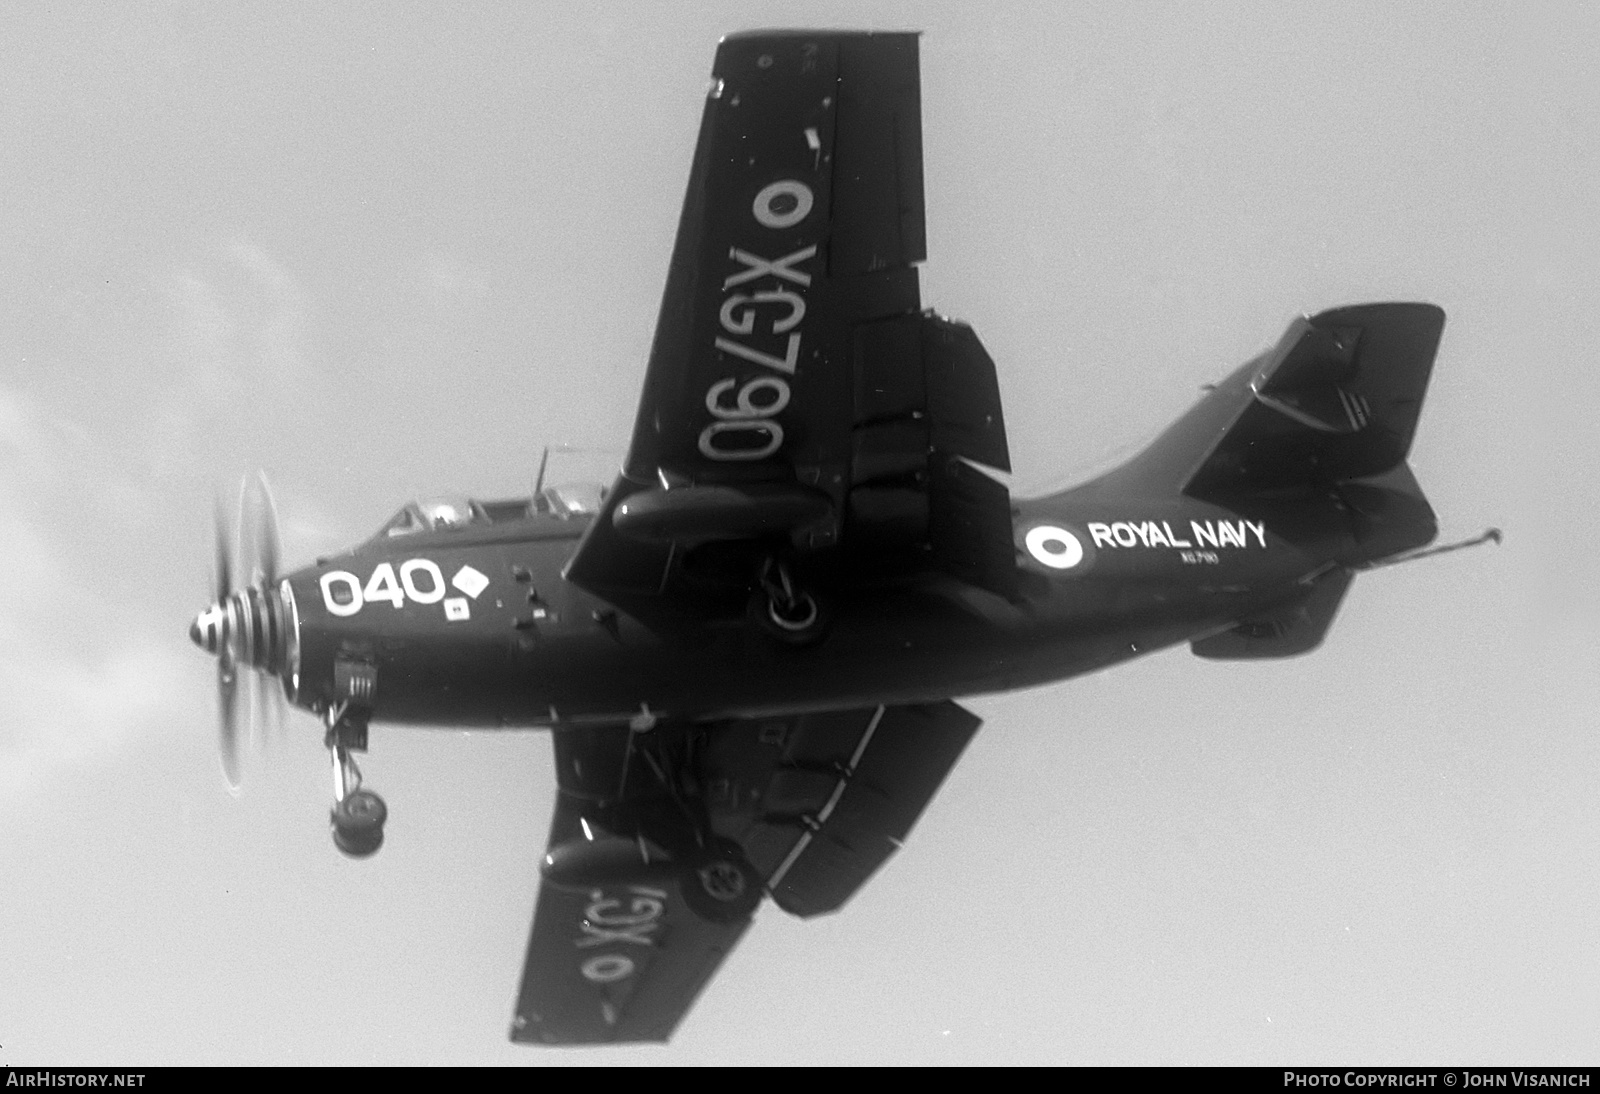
<point>1338,399</point>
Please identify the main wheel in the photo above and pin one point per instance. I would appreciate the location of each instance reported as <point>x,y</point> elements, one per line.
<point>720,885</point>
<point>357,822</point>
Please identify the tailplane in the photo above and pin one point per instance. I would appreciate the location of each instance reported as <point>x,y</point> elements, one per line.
<point>1295,628</point>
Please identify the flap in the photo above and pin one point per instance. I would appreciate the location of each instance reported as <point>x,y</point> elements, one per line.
<point>820,801</point>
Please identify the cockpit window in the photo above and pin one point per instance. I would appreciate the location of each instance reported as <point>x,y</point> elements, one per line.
<point>580,499</point>
<point>432,515</point>
<point>435,514</point>
<point>404,523</point>
<point>508,510</point>
<point>447,512</point>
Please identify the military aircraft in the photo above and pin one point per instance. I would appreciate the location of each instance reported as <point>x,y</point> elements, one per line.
<point>746,649</point>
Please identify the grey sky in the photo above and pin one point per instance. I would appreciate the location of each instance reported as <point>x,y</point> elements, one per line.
<point>385,249</point>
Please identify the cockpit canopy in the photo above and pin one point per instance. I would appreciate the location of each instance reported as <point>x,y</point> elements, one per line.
<point>435,514</point>
<point>446,511</point>
<point>571,499</point>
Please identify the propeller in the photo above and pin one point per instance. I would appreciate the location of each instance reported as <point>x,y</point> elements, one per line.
<point>259,541</point>
<point>244,625</point>
<point>227,673</point>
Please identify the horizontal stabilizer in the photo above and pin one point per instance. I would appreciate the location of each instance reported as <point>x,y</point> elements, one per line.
<point>1289,631</point>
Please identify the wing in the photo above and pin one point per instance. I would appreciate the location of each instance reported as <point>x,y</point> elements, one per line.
<point>663,844</point>
<point>794,388</point>
<point>616,953</point>
<point>621,944</point>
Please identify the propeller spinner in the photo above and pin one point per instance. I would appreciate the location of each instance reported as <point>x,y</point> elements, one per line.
<point>251,626</point>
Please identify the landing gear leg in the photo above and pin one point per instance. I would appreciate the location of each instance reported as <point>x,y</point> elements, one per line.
<point>357,816</point>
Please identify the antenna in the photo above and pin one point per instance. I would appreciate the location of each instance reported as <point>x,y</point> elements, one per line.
<point>538,483</point>
<point>574,449</point>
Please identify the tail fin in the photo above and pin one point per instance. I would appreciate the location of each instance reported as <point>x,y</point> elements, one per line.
<point>1338,399</point>
<point>1329,413</point>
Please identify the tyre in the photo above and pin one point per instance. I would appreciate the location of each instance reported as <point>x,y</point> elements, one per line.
<point>357,822</point>
<point>358,844</point>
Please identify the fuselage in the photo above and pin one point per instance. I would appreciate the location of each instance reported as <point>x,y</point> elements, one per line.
<point>476,626</point>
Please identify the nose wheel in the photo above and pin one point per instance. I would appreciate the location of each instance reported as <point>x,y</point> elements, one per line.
<point>357,821</point>
<point>358,814</point>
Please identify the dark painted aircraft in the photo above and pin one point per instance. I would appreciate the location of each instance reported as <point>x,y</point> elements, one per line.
<point>746,649</point>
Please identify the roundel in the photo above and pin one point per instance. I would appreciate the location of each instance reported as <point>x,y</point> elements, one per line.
<point>1055,548</point>
<point>783,204</point>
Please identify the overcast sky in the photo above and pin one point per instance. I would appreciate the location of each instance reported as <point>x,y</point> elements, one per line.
<point>384,250</point>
